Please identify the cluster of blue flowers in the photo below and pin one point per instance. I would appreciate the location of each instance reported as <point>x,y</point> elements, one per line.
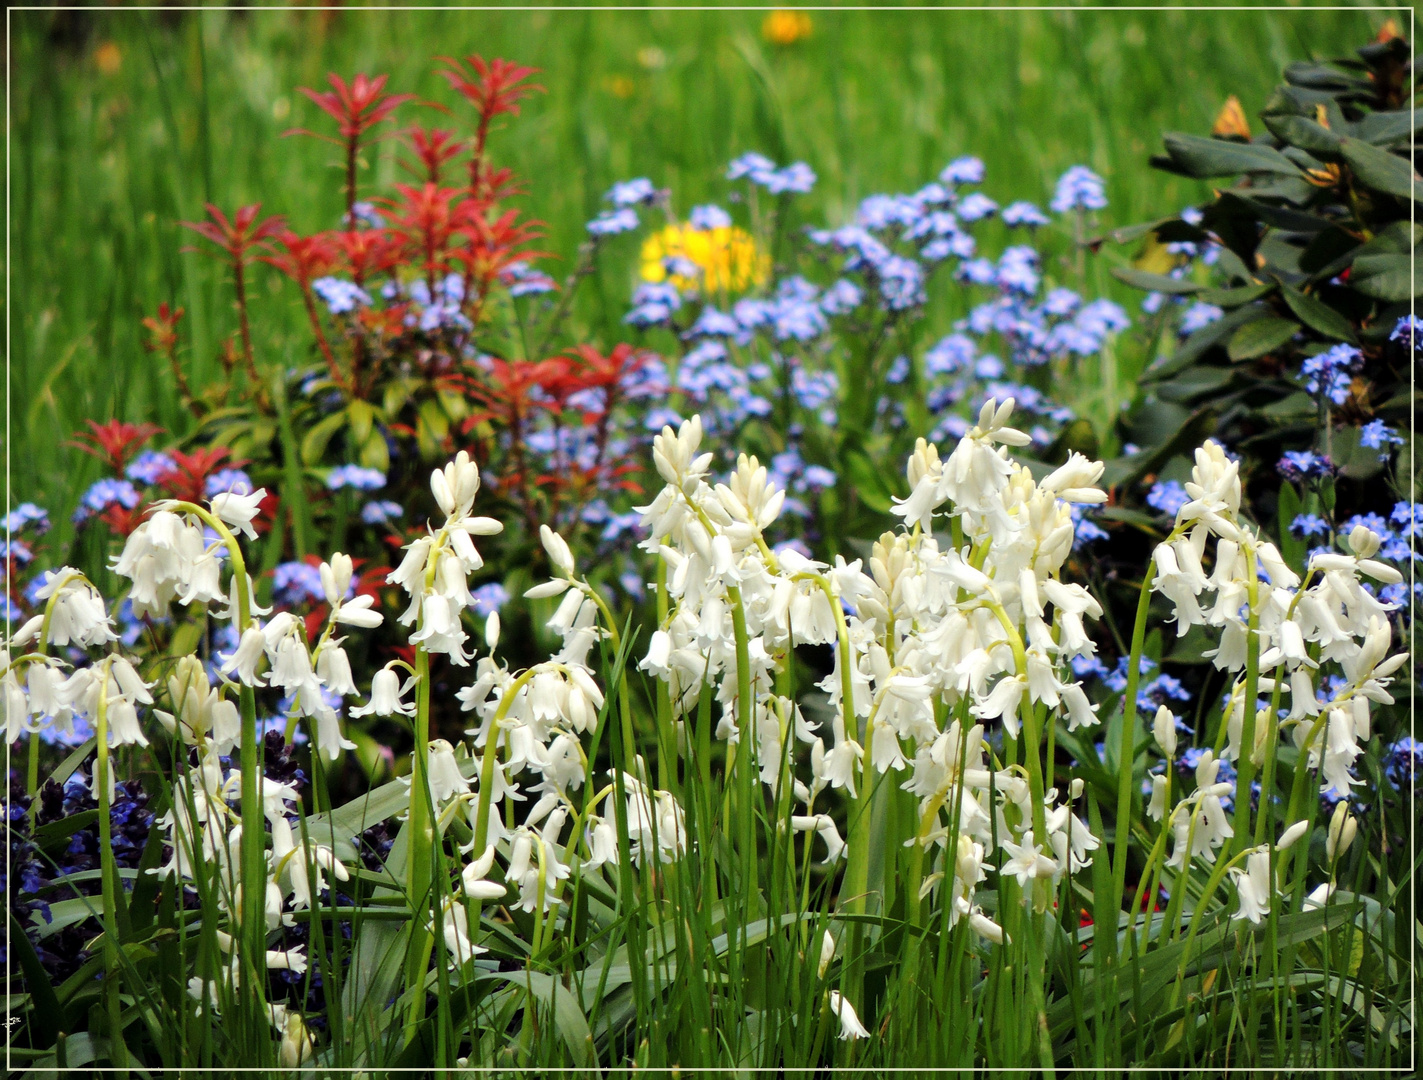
<point>340,296</point>
<point>798,178</point>
<point>1302,465</point>
<point>101,495</point>
<point>1330,374</point>
<point>149,467</point>
<point>228,480</point>
<point>1409,331</point>
<point>1079,189</point>
<point>296,583</point>
<point>521,279</point>
<point>773,355</point>
<point>355,477</point>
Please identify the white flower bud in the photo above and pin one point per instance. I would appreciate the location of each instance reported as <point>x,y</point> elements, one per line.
<point>557,548</point>
<point>1290,835</point>
<point>1342,828</point>
<point>1163,727</point>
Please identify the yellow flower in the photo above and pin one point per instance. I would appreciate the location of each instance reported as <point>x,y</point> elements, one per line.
<point>785,27</point>
<point>727,258</point>
<point>619,86</point>
<point>1230,122</point>
<point>108,58</point>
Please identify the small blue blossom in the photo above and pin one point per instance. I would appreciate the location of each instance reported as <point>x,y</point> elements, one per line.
<point>1404,762</point>
<point>901,283</point>
<point>660,417</point>
<point>489,598</point>
<point>1409,518</point>
<point>149,467</point>
<point>26,515</point>
<point>637,192</point>
<point>1376,435</point>
<point>381,512</point>
<point>228,480</point>
<point>1024,214</point>
<point>1301,465</point>
<point>654,304</point>
<point>1061,302</point>
<point>1168,496</point>
<point>1306,526</point>
<point>1410,331</point>
<point>898,371</point>
<point>296,583</point>
<point>354,476</point>
<point>798,177</point>
<point>840,297</point>
<point>1018,270</point>
<point>709,216</point>
<point>977,272</point>
<point>613,222</point>
<point>715,323</point>
<point>339,295</point>
<point>1199,315</point>
<point>950,354</point>
<point>632,584</point>
<point>747,164</point>
<point>1331,372</point>
<point>523,280</point>
<point>964,170</point>
<point>103,494</point>
<point>976,207</point>
<point>1079,188</point>
<point>988,367</point>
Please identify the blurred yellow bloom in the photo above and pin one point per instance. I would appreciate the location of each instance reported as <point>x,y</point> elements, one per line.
<point>619,86</point>
<point>727,258</point>
<point>1230,122</point>
<point>785,27</point>
<point>108,58</point>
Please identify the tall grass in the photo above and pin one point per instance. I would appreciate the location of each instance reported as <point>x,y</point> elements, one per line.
<point>125,122</point>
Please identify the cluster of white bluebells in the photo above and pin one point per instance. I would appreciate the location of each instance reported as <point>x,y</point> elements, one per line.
<point>928,638</point>
<point>530,729</point>
<point>1297,629</point>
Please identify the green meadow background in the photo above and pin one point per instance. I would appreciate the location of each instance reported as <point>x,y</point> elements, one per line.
<point>123,122</point>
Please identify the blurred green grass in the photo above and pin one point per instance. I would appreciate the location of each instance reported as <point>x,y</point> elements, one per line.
<point>124,122</point>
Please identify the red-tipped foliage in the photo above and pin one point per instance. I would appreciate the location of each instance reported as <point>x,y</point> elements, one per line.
<point>239,236</point>
<point>423,221</point>
<point>493,87</point>
<point>188,477</point>
<point>114,442</point>
<point>434,149</point>
<point>356,106</point>
<point>303,258</point>
<point>162,329</point>
<point>492,244</point>
<point>366,251</point>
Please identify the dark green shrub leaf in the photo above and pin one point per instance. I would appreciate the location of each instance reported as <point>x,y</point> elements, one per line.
<point>1140,279</point>
<point>1203,158</point>
<point>1388,276</point>
<point>1231,298</point>
<point>1382,128</point>
<point>314,442</point>
<point>1317,315</point>
<point>1322,77</point>
<point>362,414</point>
<point>1195,346</point>
<point>1379,169</point>
<point>1304,133</point>
<point>1260,337</point>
